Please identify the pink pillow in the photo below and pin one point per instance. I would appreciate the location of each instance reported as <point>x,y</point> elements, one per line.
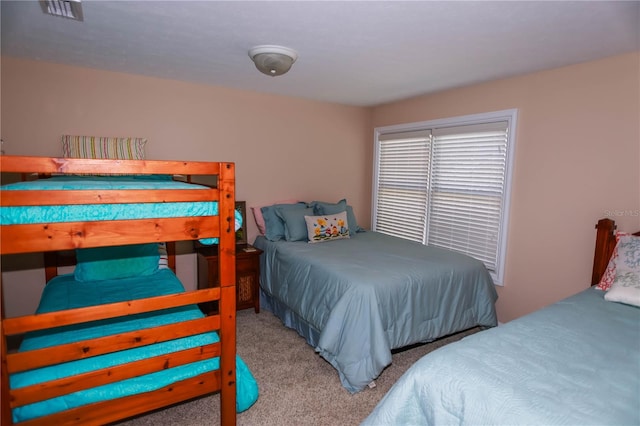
<point>610,273</point>
<point>257,214</point>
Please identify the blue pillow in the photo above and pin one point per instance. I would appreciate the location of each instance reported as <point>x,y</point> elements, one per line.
<point>273,224</point>
<point>110,263</point>
<point>295,227</point>
<point>321,208</point>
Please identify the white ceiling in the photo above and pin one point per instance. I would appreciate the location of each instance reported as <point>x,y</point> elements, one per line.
<point>359,53</point>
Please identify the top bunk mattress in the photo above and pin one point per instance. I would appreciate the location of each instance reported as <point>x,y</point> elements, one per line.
<point>100,212</point>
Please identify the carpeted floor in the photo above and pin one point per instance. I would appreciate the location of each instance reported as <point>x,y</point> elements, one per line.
<point>297,386</point>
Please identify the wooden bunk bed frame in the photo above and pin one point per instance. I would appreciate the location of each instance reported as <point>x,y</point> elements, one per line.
<point>71,235</point>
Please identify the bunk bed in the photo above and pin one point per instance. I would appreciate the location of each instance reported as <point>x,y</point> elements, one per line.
<point>136,216</point>
<point>573,362</point>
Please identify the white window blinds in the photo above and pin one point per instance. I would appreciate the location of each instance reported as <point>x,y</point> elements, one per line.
<point>402,184</point>
<point>467,188</point>
<point>446,184</point>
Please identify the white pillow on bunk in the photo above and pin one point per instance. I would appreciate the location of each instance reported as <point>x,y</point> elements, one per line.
<point>163,261</point>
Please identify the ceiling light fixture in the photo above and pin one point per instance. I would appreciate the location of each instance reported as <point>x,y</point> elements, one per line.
<point>273,60</point>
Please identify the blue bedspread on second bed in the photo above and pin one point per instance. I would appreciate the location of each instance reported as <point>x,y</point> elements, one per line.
<point>576,362</point>
<point>356,299</point>
<point>63,292</point>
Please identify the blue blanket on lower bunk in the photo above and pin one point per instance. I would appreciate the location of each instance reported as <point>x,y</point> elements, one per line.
<point>63,292</point>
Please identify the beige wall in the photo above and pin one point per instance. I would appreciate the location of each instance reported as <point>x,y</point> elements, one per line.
<point>577,157</point>
<point>577,148</point>
<point>283,147</point>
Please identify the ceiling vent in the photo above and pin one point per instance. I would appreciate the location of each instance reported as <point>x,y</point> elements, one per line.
<point>71,9</point>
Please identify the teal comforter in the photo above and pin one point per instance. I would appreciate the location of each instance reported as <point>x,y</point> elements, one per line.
<point>576,362</point>
<point>95,212</point>
<point>63,292</point>
<point>356,299</point>
<point>99,212</point>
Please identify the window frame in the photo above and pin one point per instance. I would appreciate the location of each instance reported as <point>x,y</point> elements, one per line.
<point>508,115</point>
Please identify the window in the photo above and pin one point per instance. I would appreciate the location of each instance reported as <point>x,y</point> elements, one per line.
<point>446,183</point>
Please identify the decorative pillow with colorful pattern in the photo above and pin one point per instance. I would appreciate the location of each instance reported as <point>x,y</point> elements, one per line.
<point>327,227</point>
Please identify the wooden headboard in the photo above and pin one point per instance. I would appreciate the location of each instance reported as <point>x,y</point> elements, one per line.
<point>605,243</point>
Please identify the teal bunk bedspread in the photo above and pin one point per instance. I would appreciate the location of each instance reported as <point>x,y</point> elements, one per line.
<point>68,291</point>
<point>576,362</point>
<point>99,212</point>
<point>65,292</point>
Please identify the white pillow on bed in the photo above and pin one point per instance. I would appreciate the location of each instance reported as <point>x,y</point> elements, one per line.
<point>625,288</point>
<point>626,283</point>
<point>327,227</point>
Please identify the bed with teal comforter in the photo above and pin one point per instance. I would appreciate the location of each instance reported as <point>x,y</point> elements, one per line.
<point>356,299</point>
<point>67,292</point>
<point>576,362</point>
<point>100,212</point>
<point>64,292</point>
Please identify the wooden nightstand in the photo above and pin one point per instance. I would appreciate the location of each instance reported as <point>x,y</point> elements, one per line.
<point>247,275</point>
